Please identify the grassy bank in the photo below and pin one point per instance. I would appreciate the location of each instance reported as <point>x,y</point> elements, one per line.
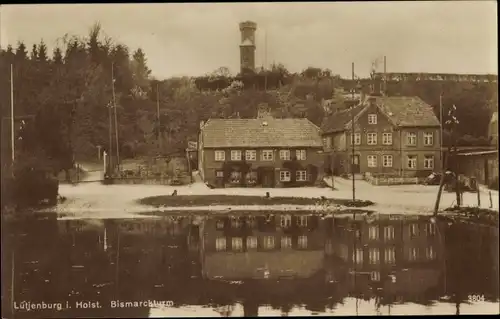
<point>244,213</point>
<point>234,200</point>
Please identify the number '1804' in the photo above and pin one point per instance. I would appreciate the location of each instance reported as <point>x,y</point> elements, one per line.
<point>476,298</point>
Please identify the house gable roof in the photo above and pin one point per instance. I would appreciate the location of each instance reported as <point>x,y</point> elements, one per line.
<point>401,111</point>
<point>264,132</point>
<point>407,111</point>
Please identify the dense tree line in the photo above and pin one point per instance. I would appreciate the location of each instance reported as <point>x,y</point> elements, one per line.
<point>68,96</point>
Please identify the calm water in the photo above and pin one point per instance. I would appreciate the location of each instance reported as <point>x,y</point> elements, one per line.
<point>273,264</point>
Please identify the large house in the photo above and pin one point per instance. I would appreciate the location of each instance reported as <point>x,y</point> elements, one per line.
<point>265,151</point>
<point>393,135</point>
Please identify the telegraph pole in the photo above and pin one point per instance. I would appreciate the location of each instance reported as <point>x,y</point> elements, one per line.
<point>158,116</point>
<point>352,139</point>
<point>110,150</point>
<point>116,117</point>
<point>12,139</point>
<point>265,61</point>
<point>441,127</point>
<point>385,75</point>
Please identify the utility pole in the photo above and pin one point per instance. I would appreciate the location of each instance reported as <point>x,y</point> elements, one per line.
<point>441,127</point>
<point>110,150</point>
<point>116,117</point>
<point>12,139</point>
<point>158,116</point>
<point>385,75</point>
<point>265,61</point>
<point>352,139</point>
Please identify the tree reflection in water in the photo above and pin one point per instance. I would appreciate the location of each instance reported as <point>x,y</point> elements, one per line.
<point>283,261</point>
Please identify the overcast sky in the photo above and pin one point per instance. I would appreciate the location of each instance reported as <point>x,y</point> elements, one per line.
<point>193,39</point>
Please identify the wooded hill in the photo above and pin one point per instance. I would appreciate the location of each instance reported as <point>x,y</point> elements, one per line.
<point>69,91</point>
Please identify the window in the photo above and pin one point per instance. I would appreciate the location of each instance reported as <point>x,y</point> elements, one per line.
<point>286,221</point>
<point>324,142</point>
<point>219,225</point>
<point>390,255</point>
<point>251,177</point>
<point>357,256</point>
<point>413,230</point>
<point>301,176</point>
<point>374,256</point>
<point>286,242</point>
<point>430,229</point>
<point>237,244</point>
<point>267,155</point>
<point>251,221</point>
<point>428,138</point>
<point>371,138</point>
<point>235,223</point>
<point>411,161</point>
<point>302,243</point>
<point>372,118</point>
<point>430,253</point>
<point>375,276</point>
<point>329,142</point>
<point>302,221</point>
<point>285,155</point>
<point>285,176</point>
<point>301,155</point>
<point>412,253</point>
<point>235,155</point>
<point>373,232</point>
<point>388,232</point>
<point>219,174</point>
<point>268,242</point>
<point>411,138</point>
<point>220,244</point>
<point>428,161</point>
<point>251,155</point>
<point>387,138</point>
<point>357,138</point>
<point>372,160</point>
<point>220,156</point>
<point>235,177</point>
<point>387,160</point>
<point>329,247</point>
<point>251,242</point>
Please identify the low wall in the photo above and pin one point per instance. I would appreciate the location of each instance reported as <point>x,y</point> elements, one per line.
<point>392,180</point>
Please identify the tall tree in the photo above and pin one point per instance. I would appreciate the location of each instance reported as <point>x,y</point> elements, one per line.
<point>42,52</point>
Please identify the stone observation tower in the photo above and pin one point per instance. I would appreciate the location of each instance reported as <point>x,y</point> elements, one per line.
<point>247,46</point>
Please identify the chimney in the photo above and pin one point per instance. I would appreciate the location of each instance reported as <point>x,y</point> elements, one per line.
<point>376,86</point>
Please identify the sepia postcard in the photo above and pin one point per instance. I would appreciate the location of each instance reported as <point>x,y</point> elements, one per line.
<point>249,159</point>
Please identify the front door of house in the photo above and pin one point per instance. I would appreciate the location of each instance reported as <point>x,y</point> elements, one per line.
<point>354,164</point>
<point>268,178</point>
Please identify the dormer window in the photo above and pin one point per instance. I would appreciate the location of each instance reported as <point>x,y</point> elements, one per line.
<point>372,119</point>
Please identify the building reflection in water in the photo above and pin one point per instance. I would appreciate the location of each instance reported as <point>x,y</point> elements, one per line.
<point>247,265</point>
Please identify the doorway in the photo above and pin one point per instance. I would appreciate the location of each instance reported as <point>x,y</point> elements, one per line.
<point>355,169</point>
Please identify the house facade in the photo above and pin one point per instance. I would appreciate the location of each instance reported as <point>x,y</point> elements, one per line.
<point>393,136</point>
<point>265,152</point>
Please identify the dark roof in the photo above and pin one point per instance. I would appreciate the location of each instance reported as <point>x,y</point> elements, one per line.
<point>338,121</point>
<point>265,132</point>
<point>403,111</point>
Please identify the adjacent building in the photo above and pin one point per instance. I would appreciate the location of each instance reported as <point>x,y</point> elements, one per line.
<point>393,136</point>
<point>404,256</point>
<point>265,151</point>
